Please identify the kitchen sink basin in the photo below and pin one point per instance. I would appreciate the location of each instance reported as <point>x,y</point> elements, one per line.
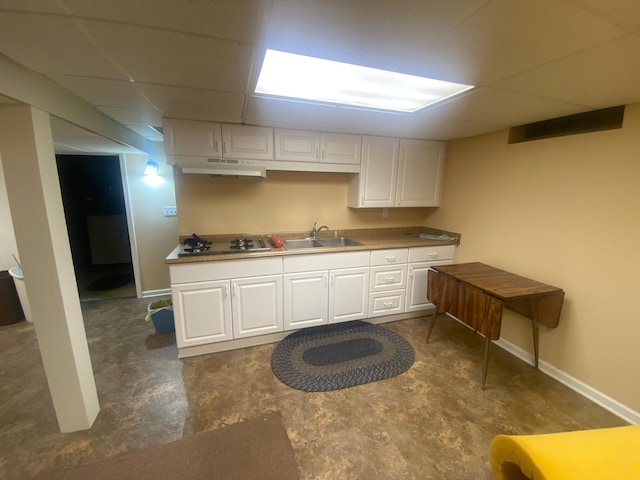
<point>300,243</point>
<point>339,242</point>
<point>297,243</point>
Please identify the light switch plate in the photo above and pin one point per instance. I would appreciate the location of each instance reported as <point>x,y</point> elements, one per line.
<point>170,211</point>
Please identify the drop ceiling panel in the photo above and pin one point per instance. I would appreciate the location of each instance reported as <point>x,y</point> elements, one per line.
<point>52,45</point>
<point>195,104</point>
<point>105,92</point>
<point>502,107</point>
<point>128,116</point>
<point>600,77</point>
<point>233,19</point>
<point>286,114</point>
<point>171,58</point>
<point>508,37</point>
<point>44,6</point>
<point>382,34</point>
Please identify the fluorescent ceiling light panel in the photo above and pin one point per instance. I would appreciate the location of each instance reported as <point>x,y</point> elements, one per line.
<point>316,79</point>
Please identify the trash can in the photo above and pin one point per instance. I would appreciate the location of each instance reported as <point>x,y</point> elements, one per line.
<point>18,280</point>
<point>161,314</point>
<point>10,310</point>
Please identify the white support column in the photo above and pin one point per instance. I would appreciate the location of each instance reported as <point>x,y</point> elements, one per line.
<point>33,189</point>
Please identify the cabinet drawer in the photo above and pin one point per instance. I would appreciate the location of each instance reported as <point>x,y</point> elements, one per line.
<point>224,269</point>
<point>388,257</point>
<point>386,303</point>
<point>388,278</point>
<point>325,261</point>
<point>428,254</point>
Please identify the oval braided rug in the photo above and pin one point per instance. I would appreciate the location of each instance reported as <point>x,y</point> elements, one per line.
<point>331,357</point>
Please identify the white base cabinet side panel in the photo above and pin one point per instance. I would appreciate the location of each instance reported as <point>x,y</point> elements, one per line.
<point>417,285</point>
<point>306,301</point>
<point>386,303</point>
<point>348,294</point>
<point>202,313</point>
<point>257,305</point>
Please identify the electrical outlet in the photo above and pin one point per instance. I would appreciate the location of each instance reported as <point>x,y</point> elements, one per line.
<point>170,211</point>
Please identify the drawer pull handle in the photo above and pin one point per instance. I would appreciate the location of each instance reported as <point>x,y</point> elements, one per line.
<point>389,279</point>
<point>391,258</point>
<point>433,254</point>
<point>387,304</point>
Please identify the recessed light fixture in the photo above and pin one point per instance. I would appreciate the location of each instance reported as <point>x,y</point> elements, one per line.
<point>316,79</point>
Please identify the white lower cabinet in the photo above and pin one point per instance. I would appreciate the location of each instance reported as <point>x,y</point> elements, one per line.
<point>257,305</point>
<point>305,299</point>
<point>315,293</point>
<point>348,294</point>
<point>202,312</point>
<point>236,299</point>
<point>388,282</point>
<point>226,300</point>
<point>420,260</point>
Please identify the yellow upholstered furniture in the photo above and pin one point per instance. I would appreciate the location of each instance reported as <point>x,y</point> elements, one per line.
<point>602,454</point>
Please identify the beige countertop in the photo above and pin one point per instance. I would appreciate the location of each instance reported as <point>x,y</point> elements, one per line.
<point>371,239</point>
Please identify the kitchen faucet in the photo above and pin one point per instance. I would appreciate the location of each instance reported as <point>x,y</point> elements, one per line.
<point>315,232</point>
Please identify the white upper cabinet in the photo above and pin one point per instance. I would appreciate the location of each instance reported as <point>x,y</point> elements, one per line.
<point>376,184</point>
<point>420,173</point>
<point>340,148</point>
<point>189,137</point>
<point>398,173</point>
<point>297,145</point>
<point>247,142</point>
<point>208,139</point>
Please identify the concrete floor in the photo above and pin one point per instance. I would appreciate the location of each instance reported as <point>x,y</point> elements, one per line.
<point>432,422</point>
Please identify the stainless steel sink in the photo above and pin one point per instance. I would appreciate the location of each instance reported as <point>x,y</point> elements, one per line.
<point>300,243</point>
<point>339,242</point>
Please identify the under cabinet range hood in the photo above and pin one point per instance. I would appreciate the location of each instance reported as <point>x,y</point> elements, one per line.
<point>221,166</point>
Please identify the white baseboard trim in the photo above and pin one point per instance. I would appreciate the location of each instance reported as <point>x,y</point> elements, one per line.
<point>597,397</point>
<point>156,293</point>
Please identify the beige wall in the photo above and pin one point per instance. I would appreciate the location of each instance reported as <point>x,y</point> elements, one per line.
<point>156,235</point>
<point>565,211</point>
<point>283,202</point>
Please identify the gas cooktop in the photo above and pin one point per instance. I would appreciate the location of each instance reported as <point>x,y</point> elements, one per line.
<point>196,246</point>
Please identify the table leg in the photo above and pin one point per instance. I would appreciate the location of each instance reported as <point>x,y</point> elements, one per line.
<point>485,365</point>
<point>433,322</point>
<point>536,332</point>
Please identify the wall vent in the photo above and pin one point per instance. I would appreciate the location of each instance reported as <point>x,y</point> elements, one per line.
<point>594,121</point>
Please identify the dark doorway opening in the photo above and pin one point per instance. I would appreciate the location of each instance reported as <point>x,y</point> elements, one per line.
<point>95,212</point>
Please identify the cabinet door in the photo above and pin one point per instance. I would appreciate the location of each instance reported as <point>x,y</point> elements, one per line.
<point>247,142</point>
<point>420,173</point>
<point>306,299</point>
<point>348,294</point>
<point>378,172</point>
<point>340,148</point>
<point>188,137</point>
<point>297,145</point>
<point>257,305</point>
<point>202,313</point>
<point>417,285</point>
